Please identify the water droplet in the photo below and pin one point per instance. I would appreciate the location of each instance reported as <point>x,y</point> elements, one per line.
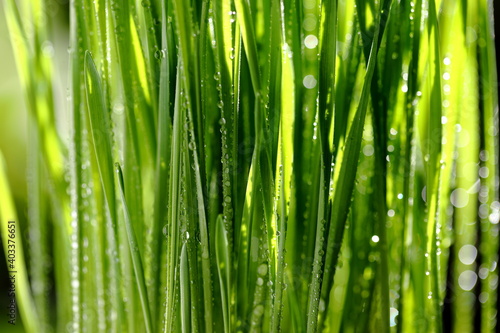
<point>159,54</point>
<point>467,280</point>
<point>459,198</point>
<point>393,313</point>
<point>311,41</point>
<point>262,269</point>
<point>467,254</point>
<point>309,81</point>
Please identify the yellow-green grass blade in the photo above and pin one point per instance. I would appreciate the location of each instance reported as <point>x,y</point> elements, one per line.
<point>488,214</point>
<point>100,129</point>
<point>13,248</point>
<point>345,181</point>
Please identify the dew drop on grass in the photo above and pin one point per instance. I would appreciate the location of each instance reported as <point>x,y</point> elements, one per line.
<point>424,194</point>
<point>459,198</point>
<point>467,280</point>
<point>309,81</point>
<point>311,41</point>
<point>467,254</point>
<point>159,54</point>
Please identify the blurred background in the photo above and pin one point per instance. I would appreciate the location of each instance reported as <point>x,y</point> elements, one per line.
<point>13,125</point>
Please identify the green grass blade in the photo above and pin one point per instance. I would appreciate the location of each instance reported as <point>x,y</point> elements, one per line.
<point>249,42</point>
<point>224,270</point>
<point>135,254</point>
<point>184,286</point>
<point>13,244</point>
<point>347,173</point>
<point>174,193</point>
<point>101,129</point>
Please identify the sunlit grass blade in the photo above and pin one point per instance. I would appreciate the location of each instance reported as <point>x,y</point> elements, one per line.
<point>489,171</point>
<point>101,129</point>
<point>13,245</point>
<point>345,182</point>
<point>253,135</point>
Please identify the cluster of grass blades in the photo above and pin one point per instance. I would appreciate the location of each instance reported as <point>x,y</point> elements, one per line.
<point>260,166</point>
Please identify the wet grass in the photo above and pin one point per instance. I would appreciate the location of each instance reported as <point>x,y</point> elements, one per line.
<point>260,166</point>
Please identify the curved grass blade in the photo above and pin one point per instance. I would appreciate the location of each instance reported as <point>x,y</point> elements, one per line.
<point>101,129</point>
<point>135,254</point>
<point>249,42</point>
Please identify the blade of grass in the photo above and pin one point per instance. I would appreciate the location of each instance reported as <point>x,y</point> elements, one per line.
<point>489,222</point>
<point>224,270</point>
<point>135,254</point>
<point>173,233</point>
<point>100,130</point>
<point>13,244</point>
<point>184,286</point>
<point>345,181</point>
